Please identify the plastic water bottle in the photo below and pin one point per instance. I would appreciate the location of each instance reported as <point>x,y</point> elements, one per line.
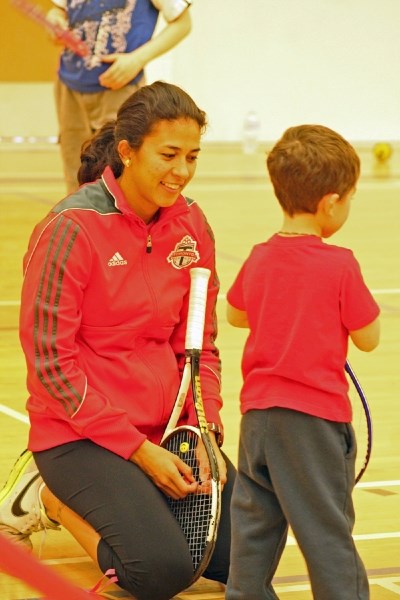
<point>251,132</point>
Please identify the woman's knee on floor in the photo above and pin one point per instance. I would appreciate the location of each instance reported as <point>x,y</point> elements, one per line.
<point>157,578</point>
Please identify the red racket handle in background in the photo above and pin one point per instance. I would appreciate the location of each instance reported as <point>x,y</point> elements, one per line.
<point>37,14</point>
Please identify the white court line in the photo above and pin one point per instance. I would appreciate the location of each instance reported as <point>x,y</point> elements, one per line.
<point>291,540</point>
<point>10,302</point>
<point>385,583</point>
<point>361,537</point>
<point>376,536</point>
<point>373,484</point>
<point>377,292</point>
<point>222,296</point>
<point>10,412</point>
<point>281,589</point>
<point>386,292</point>
<point>67,561</point>
<point>388,584</point>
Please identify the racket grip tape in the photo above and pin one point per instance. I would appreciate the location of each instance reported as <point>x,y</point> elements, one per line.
<point>197,308</point>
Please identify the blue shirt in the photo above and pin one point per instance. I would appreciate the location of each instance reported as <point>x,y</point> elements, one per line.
<point>106,27</point>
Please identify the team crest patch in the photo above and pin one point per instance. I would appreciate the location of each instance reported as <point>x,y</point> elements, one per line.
<point>184,254</point>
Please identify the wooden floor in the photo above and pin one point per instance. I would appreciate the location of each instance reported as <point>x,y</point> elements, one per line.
<point>242,211</point>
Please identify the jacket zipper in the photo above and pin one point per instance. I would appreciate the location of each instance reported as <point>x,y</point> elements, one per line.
<point>149,244</point>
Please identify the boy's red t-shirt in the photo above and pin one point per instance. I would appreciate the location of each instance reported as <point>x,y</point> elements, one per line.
<point>302,297</point>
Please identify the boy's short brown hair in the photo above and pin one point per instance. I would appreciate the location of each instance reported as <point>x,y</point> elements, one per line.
<point>308,162</point>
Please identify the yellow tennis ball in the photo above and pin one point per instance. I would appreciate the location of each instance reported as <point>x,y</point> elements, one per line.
<point>382,151</point>
<point>184,447</point>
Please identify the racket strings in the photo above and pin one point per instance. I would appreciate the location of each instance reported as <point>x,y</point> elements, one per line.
<point>194,513</point>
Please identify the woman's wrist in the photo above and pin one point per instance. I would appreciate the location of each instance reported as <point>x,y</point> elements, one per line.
<point>218,431</point>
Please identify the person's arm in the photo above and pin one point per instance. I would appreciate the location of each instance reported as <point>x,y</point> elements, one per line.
<point>366,338</point>
<point>124,67</point>
<point>58,267</point>
<point>359,310</point>
<point>169,37</point>
<point>57,15</point>
<point>236,317</point>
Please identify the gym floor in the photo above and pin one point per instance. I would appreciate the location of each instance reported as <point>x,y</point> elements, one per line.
<point>234,192</point>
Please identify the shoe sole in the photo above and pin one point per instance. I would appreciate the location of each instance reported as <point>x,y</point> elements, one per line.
<point>15,475</point>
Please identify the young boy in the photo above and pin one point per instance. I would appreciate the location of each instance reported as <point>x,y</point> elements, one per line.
<point>301,299</point>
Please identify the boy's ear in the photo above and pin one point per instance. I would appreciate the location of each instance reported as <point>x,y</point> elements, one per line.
<point>328,203</point>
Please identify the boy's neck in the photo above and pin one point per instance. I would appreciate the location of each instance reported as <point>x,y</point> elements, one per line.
<point>301,224</point>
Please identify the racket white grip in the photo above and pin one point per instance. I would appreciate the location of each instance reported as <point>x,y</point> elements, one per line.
<point>197,308</point>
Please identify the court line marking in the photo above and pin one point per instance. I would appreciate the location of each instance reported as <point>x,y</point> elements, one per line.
<point>360,537</point>
<point>373,484</point>
<point>376,536</point>
<point>222,296</point>
<point>386,291</point>
<point>390,584</point>
<point>67,561</point>
<point>291,540</point>
<point>281,589</point>
<point>280,580</point>
<point>10,412</point>
<point>386,583</point>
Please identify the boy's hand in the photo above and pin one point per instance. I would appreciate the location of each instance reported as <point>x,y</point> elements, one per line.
<point>57,17</point>
<point>124,67</point>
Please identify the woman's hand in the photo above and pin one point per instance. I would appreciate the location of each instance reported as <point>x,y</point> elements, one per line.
<point>173,476</point>
<point>167,471</point>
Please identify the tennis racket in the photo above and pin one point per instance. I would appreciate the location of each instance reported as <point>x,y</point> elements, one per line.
<point>37,14</point>
<point>362,422</point>
<point>198,513</point>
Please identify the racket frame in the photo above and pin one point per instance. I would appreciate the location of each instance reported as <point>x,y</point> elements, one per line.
<point>215,509</point>
<point>191,376</point>
<point>368,418</point>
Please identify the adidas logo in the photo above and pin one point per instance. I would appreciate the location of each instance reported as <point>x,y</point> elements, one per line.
<point>117,260</point>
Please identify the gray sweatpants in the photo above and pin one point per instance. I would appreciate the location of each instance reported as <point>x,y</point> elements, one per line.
<point>298,470</point>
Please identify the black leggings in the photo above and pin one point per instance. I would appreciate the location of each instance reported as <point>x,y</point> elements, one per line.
<point>140,538</point>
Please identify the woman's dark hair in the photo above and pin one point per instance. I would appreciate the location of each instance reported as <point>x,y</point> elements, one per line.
<point>135,120</point>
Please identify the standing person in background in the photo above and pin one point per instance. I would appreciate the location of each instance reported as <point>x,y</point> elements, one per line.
<point>89,90</point>
<point>102,326</point>
<point>302,300</point>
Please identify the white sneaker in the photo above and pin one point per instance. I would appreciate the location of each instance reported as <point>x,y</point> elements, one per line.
<point>21,509</point>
